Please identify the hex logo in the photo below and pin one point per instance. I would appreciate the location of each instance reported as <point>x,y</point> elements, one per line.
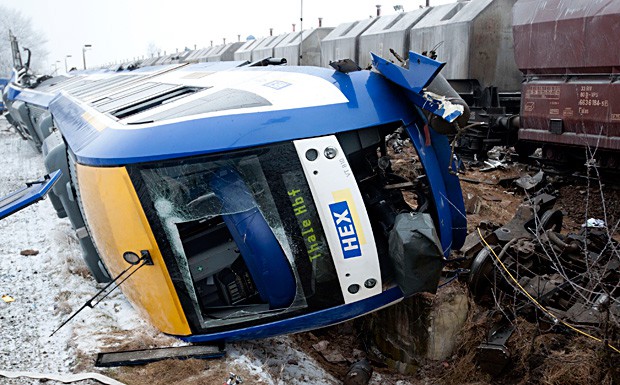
<point>345,228</point>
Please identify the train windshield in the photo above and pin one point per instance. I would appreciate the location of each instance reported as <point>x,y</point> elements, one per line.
<point>240,235</point>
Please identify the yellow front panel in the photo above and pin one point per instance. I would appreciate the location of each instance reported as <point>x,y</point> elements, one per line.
<point>118,224</point>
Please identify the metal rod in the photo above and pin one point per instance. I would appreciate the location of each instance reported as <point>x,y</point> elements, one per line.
<point>90,303</point>
<point>301,32</point>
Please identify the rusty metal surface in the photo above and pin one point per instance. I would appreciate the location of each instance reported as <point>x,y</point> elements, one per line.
<point>572,113</point>
<point>567,36</point>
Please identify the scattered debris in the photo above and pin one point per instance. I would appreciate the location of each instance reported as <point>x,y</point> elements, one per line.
<point>29,252</point>
<point>321,346</point>
<point>490,198</point>
<point>472,203</point>
<point>529,269</point>
<point>529,183</point>
<point>493,355</point>
<point>143,356</point>
<point>63,378</point>
<point>7,298</point>
<point>330,354</point>
<point>359,374</point>
<point>469,180</point>
<point>493,164</point>
<point>233,379</point>
<point>592,222</point>
<point>497,153</point>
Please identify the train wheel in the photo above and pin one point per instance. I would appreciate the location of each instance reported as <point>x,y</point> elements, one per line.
<point>524,150</point>
<point>554,154</point>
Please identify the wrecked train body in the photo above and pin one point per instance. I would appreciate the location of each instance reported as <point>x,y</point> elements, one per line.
<point>263,198</point>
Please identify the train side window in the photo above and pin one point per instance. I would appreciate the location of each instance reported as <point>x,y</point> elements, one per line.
<point>226,99</point>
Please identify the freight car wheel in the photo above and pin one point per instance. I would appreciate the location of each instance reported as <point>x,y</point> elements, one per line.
<point>524,150</point>
<point>609,161</point>
<point>481,275</point>
<point>554,154</point>
<point>549,220</point>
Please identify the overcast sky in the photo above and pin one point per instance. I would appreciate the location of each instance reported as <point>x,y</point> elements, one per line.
<point>119,30</point>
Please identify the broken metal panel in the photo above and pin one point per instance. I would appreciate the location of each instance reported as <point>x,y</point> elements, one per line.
<point>493,355</point>
<point>16,53</point>
<point>31,193</point>
<point>145,356</point>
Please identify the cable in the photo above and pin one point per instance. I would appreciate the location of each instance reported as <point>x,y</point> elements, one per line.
<point>541,307</point>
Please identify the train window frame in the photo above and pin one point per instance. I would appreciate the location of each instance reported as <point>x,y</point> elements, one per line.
<point>220,100</point>
<point>310,296</point>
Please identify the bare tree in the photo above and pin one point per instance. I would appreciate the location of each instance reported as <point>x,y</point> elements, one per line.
<point>152,50</point>
<point>21,26</point>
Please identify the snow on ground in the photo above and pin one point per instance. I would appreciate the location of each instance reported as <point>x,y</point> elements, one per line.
<point>49,286</point>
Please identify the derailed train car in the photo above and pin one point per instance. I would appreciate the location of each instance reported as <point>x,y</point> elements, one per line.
<point>260,201</point>
<point>3,83</point>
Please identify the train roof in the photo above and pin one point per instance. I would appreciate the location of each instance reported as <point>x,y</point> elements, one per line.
<point>163,112</point>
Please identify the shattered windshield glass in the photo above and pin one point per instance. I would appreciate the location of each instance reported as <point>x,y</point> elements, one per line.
<point>243,236</point>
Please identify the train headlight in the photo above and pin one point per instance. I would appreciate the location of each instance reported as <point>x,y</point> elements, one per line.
<point>131,258</point>
<point>330,152</point>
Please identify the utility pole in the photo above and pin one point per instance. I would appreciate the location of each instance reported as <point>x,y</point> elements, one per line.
<point>84,53</point>
<point>301,32</point>
<point>66,67</point>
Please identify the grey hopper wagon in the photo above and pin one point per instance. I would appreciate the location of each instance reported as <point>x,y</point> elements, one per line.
<point>307,43</point>
<point>245,51</point>
<point>474,38</point>
<point>343,42</point>
<point>388,32</point>
<point>225,52</point>
<point>264,48</point>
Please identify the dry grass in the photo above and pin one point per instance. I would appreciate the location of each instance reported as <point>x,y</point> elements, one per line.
<point>118,341</point>
<point>522,345</point>
<point>550,358</point>
<point>61,303</point>
<point>181,372</point>
<point>463,369</point>
<point>75,265</point>
<point>578,363</point>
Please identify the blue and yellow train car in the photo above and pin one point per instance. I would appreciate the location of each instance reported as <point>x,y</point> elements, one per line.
<point>264,198</point>
<point>3,83</point>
